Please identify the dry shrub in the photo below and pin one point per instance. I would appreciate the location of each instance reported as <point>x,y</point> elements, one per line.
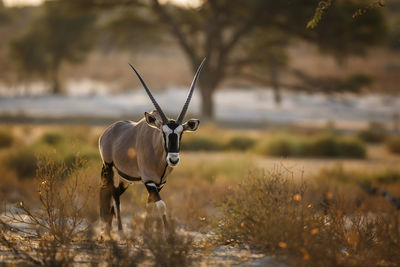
<point>278,216</point>
<point>6,138</point>
<point>127,255</point>
<point>52,138</point>
<point>22,161</point>
<point>201,181</point>
<point>393,144</point>
<point>61,212</point>
<point>375,133</point>
<point>175,250</point>
<point>50,228</point>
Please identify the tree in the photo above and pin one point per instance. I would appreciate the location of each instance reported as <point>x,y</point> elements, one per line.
<point>324,5</point>
<point>57,36</point>
<point>249,39</point>
<point>217,30</point>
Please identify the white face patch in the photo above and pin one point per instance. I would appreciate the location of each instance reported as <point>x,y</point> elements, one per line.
<point>178,129</point>
<point>166,129</point>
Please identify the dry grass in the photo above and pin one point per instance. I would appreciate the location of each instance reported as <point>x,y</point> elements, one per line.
<point>309,226</point>
<point>59,230</point>
<point>393,144</point>
<point>329,220</point>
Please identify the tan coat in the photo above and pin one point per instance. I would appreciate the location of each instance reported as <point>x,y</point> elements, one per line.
<point>136,149</point>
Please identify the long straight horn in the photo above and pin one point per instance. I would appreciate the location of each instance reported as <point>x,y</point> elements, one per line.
<point>189,97</point>
<point>163,117</point>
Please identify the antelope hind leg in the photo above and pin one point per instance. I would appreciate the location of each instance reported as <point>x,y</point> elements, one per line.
<point>106,193</point>
<point>117,192</point>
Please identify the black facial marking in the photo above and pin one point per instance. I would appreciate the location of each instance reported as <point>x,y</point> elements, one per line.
<point>172,124</point>
<point>165,142</point>
<point>172,145</point>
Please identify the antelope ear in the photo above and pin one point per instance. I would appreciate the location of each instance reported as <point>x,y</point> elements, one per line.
<point>152,120</point>
<point>191,125</point>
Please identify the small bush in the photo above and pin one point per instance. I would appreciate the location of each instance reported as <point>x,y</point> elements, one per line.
<point>6,138</point>
<point>52,138</point>
<point>329,146</point>
<point>276,215</point>
<point>22,161</point>
<point>388,177</point>
<point>241,143</point>
<point>201,143</point>
<point>393,144</point>
<point>177,250</point>
<point>53,225</point>
<point>375,133</point>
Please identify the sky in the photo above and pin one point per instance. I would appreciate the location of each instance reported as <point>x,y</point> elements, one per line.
<point>191,3</point>
<point>21,2</point>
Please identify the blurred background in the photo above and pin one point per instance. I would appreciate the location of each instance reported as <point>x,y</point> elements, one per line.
<point>308,83</point>
<point>301,89</point>
<point>290,62</point>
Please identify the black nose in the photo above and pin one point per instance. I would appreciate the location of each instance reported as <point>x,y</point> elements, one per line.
<point>174,161</point>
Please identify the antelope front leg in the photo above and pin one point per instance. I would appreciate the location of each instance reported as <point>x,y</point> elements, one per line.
<point>154,198</point>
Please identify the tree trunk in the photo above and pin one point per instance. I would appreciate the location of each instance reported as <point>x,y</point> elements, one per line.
<point>56,88</point>
<point>277,94</point>
<point>55,78</point>
<point>274,76</point>
<point>207,103</point>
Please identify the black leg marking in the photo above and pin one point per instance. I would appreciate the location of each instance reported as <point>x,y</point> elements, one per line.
<point>154,196</point>
<point>117,192</point>
<point>106,191</point>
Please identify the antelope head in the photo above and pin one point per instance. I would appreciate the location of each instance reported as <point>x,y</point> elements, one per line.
<point>171,129</point>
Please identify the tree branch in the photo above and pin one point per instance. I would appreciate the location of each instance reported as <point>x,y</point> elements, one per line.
<point>176,31</point>
<point>243,30</point>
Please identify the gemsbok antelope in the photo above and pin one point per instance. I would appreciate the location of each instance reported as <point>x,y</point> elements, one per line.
<point>145,151</point>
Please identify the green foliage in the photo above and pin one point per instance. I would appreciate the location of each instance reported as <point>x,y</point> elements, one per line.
<point>319,11</point>
<point>201,143</point>
<point>358,11</point>
<point>341,35</point>
<point>281,146</point>
<point>375,133</point>
<point>355,83</point>
<point>132,26</point>
<point>6,138</point>
<point>241,143</point>
<point>52,138</point>
<point>388,177</point>
<point>59,35</point>
<point>393,144</point>
<point>22,161</point>
<point>331,146</point>
<point>325,145</point>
